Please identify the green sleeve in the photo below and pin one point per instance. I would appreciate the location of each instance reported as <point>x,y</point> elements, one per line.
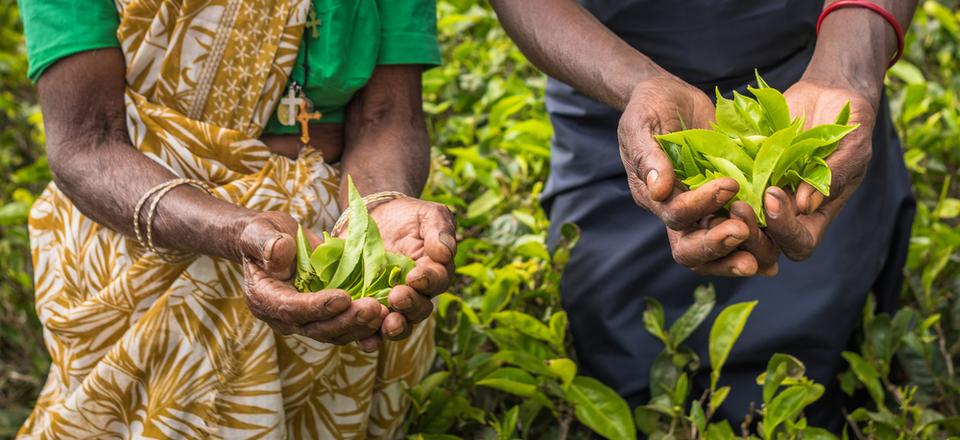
<point>55,29</point>
<point>408,32</point>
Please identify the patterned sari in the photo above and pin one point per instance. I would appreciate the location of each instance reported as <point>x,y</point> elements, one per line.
<point>142,347</point>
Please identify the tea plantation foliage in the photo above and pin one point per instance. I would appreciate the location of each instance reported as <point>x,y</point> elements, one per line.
<point>504,366</point>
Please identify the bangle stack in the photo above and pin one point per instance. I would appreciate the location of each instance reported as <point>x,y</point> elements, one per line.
<point>153,196</point>
<point>370,202</point>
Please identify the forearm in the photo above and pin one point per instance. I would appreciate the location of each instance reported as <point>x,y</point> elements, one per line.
<point>387,147</point>
<point>855,46</point>
<point>102,173</point>
<point>565,41</point>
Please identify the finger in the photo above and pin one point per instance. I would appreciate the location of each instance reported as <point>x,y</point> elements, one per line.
<point>270,299</point>
<point>784,225</point>
<point>643,158</point>
<point>438,232</point>
<point>396,327</point>
<point>848,164</point>
<point>737,264</point>
<point>702,246</point>
<point>370,344</point>
<point>414,306</point>
<point>687,208</point>
<point>428,277</point>
<point>758,243</point>
<point>362,319</point>
<point>808,198</point>
<point>275,251</point>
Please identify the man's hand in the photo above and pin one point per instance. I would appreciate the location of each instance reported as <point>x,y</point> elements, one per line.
<point>797,224</point>
<point>425,232</point>
<point>707,244</point>
<point>269,262</point>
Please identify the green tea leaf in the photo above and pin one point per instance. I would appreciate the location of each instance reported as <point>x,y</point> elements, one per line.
<point>770,152</point>
<point>717,397</point>
<point>704,300</point>
<point>867,375</point>
<point>511,380</point>
<point>712,143</point>
<point>325,258</point>
<point>356,237</point>
<point>729,119</point>
<point>774,106</point>
<point>844,116</point>
<point>725,332</point>
<point>601,409</point>
<point>653,319</point>
<point>304,272</point>
<point>374,258</point>
<point>752,113</point>
<point>564,369</point>
<point>788,404</point>
<point>818,174</point>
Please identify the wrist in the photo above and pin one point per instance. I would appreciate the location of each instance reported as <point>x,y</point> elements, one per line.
<point>852,52</point>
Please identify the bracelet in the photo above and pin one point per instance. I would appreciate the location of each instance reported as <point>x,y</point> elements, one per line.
<point>157,193</point>
<point>875,8</point>
<point>369,201</point>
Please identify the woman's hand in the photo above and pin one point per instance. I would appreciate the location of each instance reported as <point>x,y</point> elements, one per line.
<point>798,223</point>
<point>425,232</point>
<point>268,249</point>
<point>707,244</point>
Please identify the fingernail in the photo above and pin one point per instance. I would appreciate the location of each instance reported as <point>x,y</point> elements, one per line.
<point>773,205</point>
<point>267,250</point>
<point>362,318</point>
<point>652,177</point>
<point>448,241</point>
<point>722,196</point>
<point>732,241</point>
<point>405,303</point>
<point>420,283</point>
<point>736,271</point>
<point>334,303</point>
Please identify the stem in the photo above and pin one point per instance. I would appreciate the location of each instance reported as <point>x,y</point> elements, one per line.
<point>853,426</point>
<point>745,426</point>
<point>942,339</point>
<point>565,423</point>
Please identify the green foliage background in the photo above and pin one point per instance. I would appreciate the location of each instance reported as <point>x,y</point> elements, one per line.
<point>504,367</point>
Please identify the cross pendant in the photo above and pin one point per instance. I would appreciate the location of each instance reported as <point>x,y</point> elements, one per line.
<point>313,22</point>
<point>304,118</point>
<point>287,111</point>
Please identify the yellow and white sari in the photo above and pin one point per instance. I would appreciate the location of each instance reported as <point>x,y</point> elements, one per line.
<point>143,348</point>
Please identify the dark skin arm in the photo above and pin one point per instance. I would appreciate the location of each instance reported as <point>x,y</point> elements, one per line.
<point>103,174</point>
<point>849,62</point>
<point>387,149</point>
<point>567,42</point>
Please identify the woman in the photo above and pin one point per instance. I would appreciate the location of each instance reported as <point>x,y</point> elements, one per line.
<point>185,152</point>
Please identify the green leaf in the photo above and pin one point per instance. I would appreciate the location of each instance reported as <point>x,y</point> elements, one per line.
<point>751,112</point>
<point>712,143</point>
<point>681,390</point>
<point>780,368</point>
<point>760,82</point>
<point>374,254</point>
<point>653,319</point>
<point>511,380</point>
<point>818,175</point>
<point>725,332</point>
<point>304,272</point>
<point>663,375</point>
<point>729,119</point>
<point>767,158</point>
<point>356,236</point>
<point>788,404</point>
<point>720,431</point>
<point>867,375</point>
<point>717,397</point>
<point>774,106</point>
<point>564,369</point>
<point>697,417</point>
<point>844,116</point>
<point>524,324</point>
<point>601,409</point>
<point>683,327</point>
<point>812,433</point>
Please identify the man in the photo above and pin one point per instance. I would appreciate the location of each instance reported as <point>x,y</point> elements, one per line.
<point>622,72</point>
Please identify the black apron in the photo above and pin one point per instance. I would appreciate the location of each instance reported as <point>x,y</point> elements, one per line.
<point>810,309</point>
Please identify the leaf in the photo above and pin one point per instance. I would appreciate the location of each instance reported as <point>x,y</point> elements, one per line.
<point>760,82</point>
<point>663,375</point>
<point>720,431</point>
<point>780,367</point>
<point>812,433</point>
<point>525,324</point>
<point>680,330</point>
<point>788,404</point>
<point>681,390</point>
<point>564,369</point>
<point>717,397</point>
<point>481,205</point>
<point>844,116</point>
<point>867,375</point>
<point>767,158</point>
<point>356,236</point>
<point>511,380</point>
<point>653,319</point>
<point>374,255</point>
<point>725,332</point>
<point>325,258</point>
<point>729,119</point>
<point>751,112</point>
<point>774,106</point>
<point>712,143</point>
<point>304,271</point>
<point>697,417</point>
<point>818,175</point>
<point>730,170</point>
<point>601,409</point>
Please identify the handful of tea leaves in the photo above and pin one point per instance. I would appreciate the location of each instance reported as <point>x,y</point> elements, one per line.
<point>358,264</point>
<point>755,142</point>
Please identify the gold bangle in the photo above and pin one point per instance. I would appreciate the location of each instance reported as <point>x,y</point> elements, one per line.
<point>372,199</point>
<point>154,195</point>
<point>143,200</point>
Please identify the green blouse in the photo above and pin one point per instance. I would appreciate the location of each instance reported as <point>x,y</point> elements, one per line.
<point>353,37</point>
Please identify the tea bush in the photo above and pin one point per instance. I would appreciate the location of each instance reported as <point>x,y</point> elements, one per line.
<point>505,368</point>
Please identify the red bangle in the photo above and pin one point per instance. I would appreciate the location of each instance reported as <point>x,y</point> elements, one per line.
<point>873,7</point>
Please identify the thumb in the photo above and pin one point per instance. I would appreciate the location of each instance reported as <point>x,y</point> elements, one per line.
<point>271,249</point>
<point>642,156</point>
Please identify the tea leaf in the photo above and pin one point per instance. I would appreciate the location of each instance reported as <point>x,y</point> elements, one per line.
<point>774,106</point>
<point>653,319</point>
<point>704,300</point>
<point>725,332</point>
<point>601,409</point>
<point>304,271</point>
<point>818,175</point>
<point>717,397</point>
<point>356,237</point>
<point>511,380</point>
<point>867,375</point>
<point>564,369</point>
<point>788,404</point>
